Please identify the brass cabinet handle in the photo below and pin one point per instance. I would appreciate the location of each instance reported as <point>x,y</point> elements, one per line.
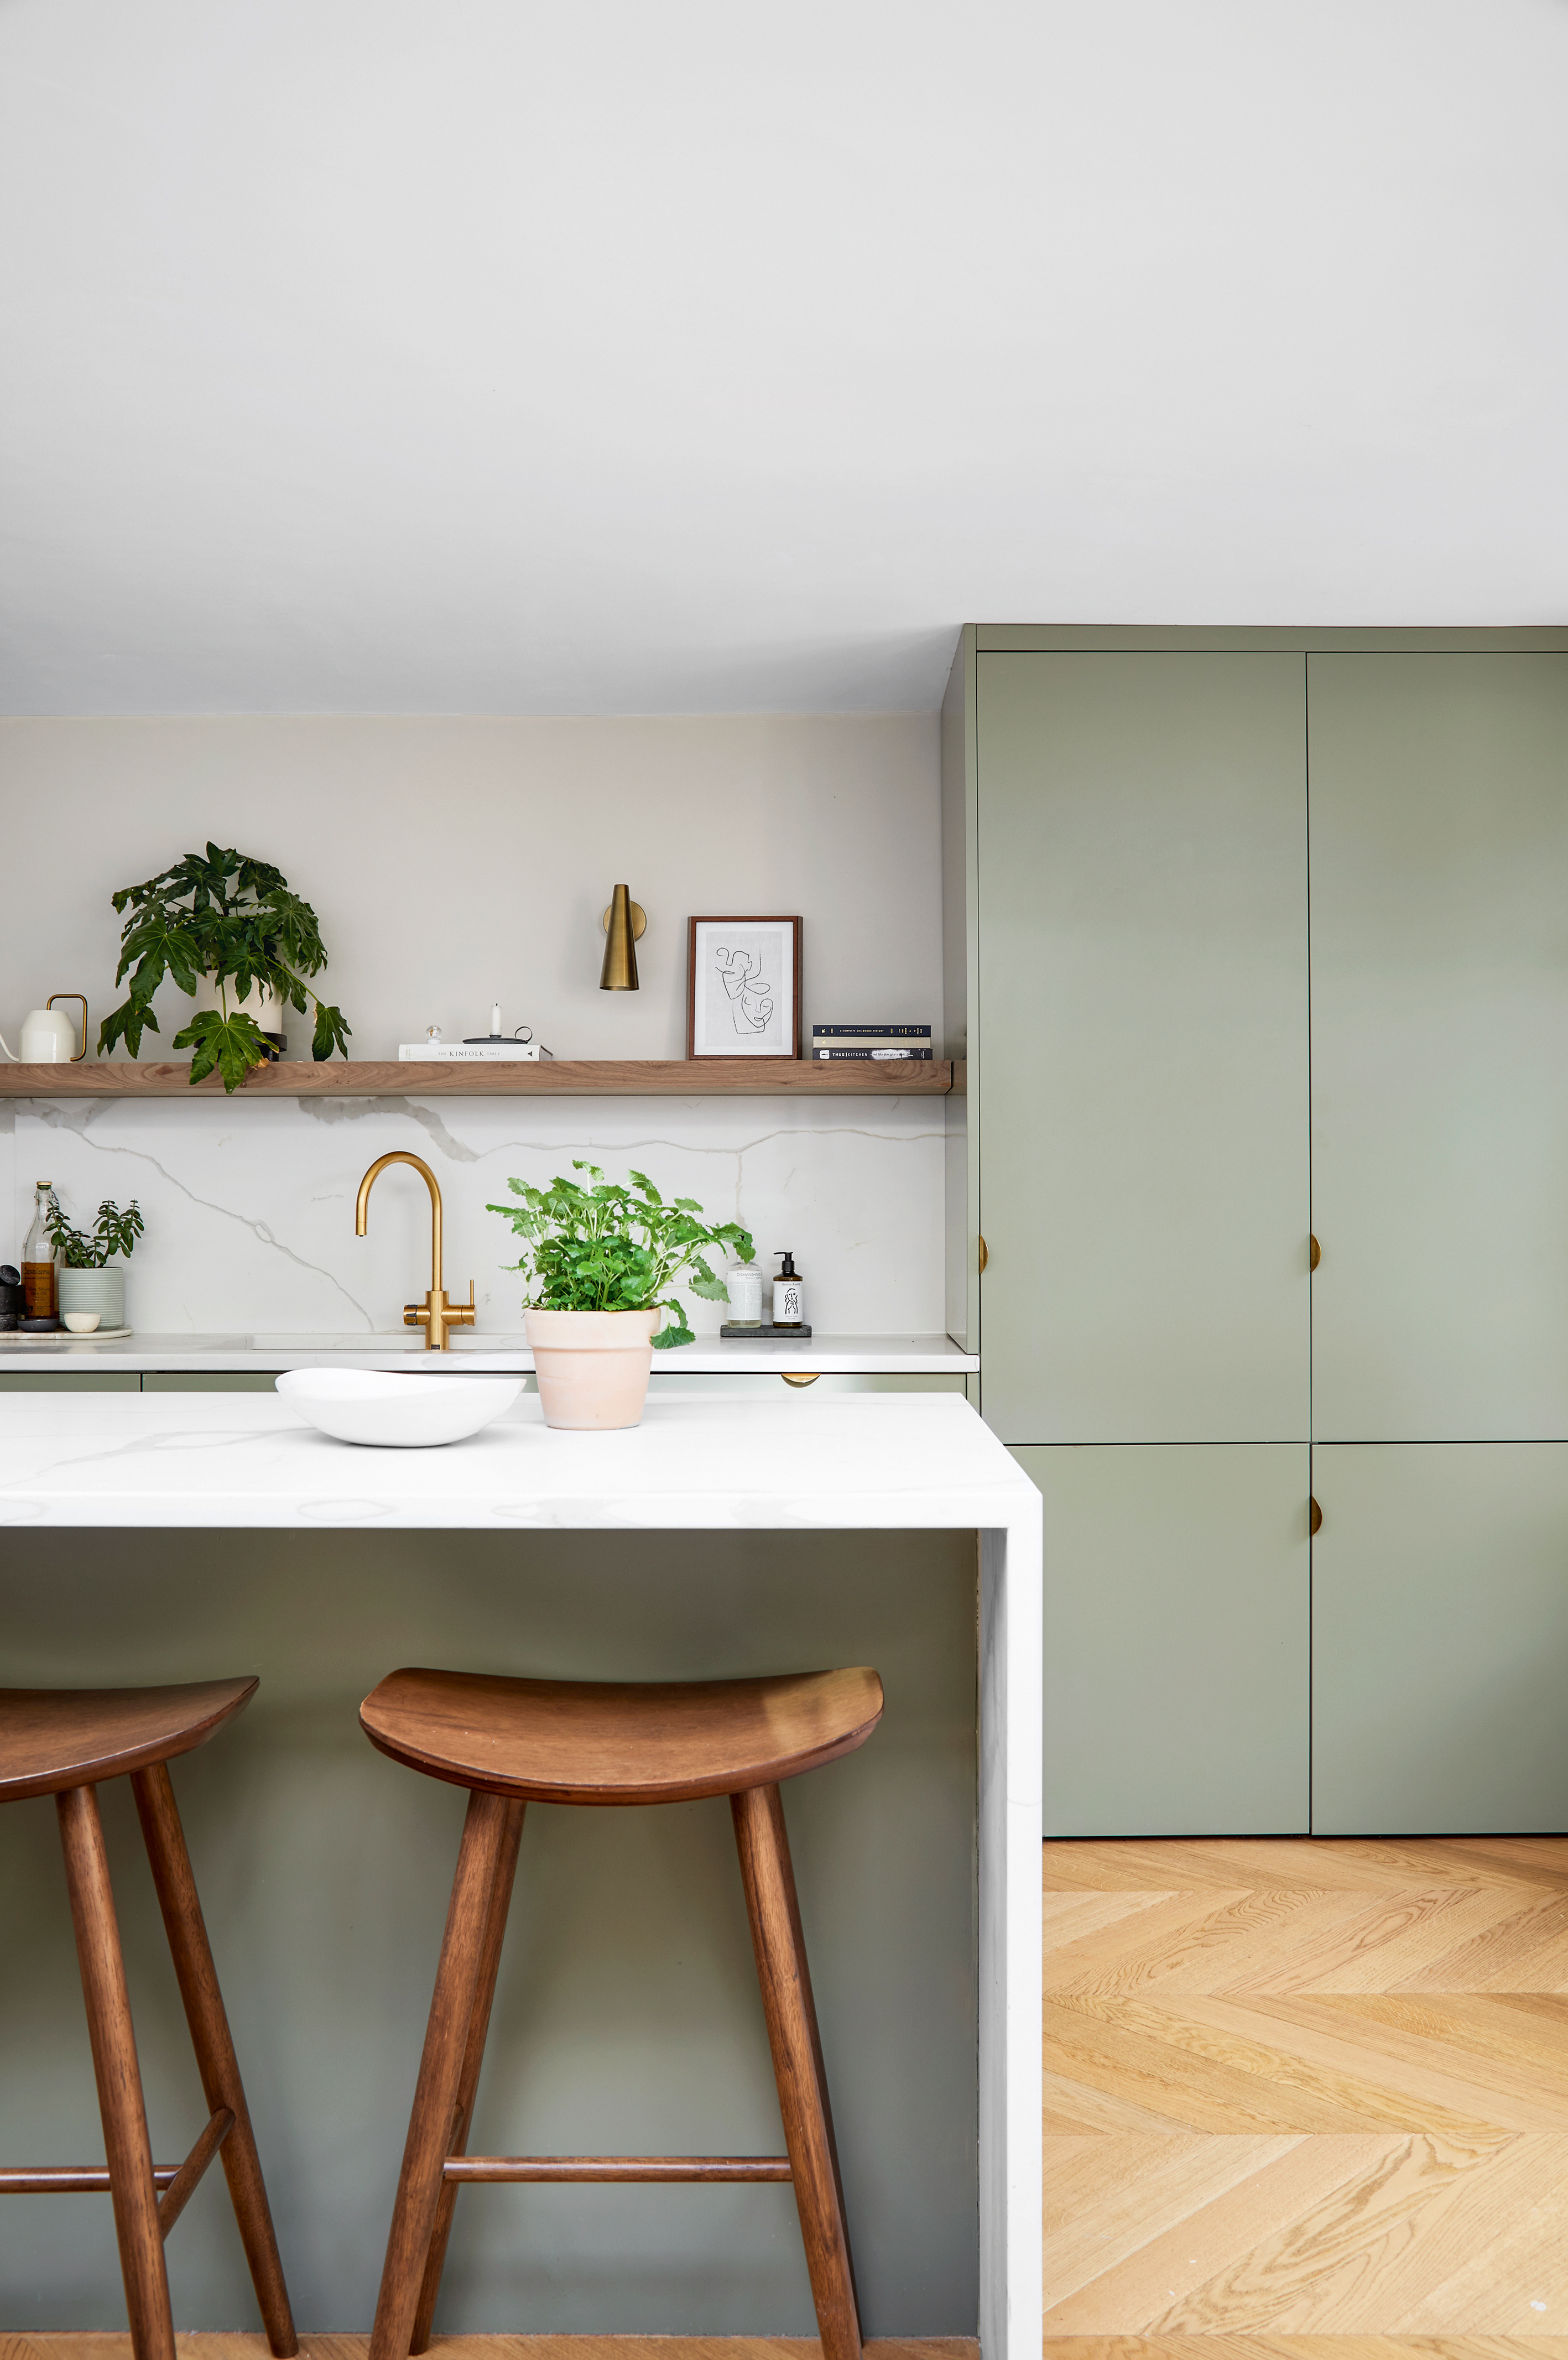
<point>791,1379</point>
<point>1314,1253</point>
<point>1314,1518</point>
<point>984,1257</point>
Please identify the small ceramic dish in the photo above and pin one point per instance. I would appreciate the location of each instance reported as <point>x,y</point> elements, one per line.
<point>82,1323</point>
<point>384,1408</point>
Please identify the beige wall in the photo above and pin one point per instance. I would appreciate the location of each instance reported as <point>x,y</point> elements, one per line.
<point>451,861</point>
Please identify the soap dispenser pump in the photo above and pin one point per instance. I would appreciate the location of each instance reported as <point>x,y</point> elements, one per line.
<point>789,1294</point>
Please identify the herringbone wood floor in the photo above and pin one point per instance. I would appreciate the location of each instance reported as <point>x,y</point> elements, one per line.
<point>1307,2099</point>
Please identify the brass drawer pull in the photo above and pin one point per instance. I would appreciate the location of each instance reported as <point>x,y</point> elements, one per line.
<point>1314,1518</point>
<point>1314,1253</point>
<point>984,1257</point>
<point>790,1380</point>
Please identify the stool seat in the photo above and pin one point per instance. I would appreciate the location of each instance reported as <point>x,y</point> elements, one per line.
<point>618,1742</point>
<point>52,1739</point>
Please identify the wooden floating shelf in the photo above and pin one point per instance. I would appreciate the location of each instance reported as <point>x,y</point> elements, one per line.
<point>701,1078</point>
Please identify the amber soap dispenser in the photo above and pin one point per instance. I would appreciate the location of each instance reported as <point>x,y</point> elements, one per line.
<point>789,1294</point>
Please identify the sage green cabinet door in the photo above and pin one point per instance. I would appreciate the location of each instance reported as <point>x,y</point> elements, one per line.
<point>1440,1639</point>
<point>1143,1010</point>
<point>1439,1045</point>
<point>1177,1682</point>
<point>68,1381</point>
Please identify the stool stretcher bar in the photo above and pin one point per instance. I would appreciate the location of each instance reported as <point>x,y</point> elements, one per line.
<point>617,2166</point>
<point>178,2181</point>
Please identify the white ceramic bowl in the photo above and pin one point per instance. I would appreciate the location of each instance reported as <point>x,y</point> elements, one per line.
<point>397,1411</point>
<point>82,1323</point>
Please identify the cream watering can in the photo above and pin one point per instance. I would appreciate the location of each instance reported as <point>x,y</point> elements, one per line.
<point>48,1038</point>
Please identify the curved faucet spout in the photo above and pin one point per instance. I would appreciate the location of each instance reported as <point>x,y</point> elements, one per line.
<point>362,1204</point>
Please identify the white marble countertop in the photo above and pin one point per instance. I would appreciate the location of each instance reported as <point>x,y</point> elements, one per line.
<point>872,1459</point>
<point>502,1351</point>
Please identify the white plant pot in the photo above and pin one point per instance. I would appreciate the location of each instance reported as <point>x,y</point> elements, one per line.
<point>592,1366</point>
<point>264,1005</point>
<point>102,1291</point>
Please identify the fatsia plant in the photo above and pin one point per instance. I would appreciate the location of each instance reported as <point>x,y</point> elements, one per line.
<point>235,920</point>
<point>605,1247</point>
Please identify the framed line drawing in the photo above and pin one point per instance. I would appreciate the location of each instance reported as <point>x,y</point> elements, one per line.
<point>743,988</point>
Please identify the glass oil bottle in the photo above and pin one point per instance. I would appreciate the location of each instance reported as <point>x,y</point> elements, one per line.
<point>39,1264</point>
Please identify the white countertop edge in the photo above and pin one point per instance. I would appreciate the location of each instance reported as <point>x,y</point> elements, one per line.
<point>691,1511</point>
<point>863,1461</point>
<point>239,1354</point>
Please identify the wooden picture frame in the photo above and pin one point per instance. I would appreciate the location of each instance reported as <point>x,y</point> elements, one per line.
<point>744,995</point>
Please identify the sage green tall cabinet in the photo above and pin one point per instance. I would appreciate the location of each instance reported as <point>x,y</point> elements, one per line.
<point>1438,788</point>
<point>1250,935</point>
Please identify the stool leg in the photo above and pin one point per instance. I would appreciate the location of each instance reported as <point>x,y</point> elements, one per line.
<point>472,2058</point>
<point>440,2073</point>
<point>120,2100</point>
<point>786,1979</point>
<point>215,2060</point>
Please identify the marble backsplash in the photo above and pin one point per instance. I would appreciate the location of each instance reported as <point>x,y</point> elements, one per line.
<point>249,1208</point>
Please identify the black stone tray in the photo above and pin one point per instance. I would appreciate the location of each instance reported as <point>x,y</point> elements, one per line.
<point>752,1334</point>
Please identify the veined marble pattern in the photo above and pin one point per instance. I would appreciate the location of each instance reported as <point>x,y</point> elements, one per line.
<point>249,1210</point>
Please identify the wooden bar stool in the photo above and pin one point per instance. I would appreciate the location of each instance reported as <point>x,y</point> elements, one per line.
<point>511,1742</point>
<point>64,1742</point>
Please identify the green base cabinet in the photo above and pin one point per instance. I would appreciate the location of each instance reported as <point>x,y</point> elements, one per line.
<point>1440,1626</point>
<point>1178,1624</point>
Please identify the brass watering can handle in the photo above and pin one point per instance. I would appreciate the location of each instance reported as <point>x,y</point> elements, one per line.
<point>82,996</point>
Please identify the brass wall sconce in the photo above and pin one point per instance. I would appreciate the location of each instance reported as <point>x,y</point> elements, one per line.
<point>625,923</point>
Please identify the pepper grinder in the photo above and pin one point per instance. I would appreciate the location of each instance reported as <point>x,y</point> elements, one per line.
<point>789,1293</point>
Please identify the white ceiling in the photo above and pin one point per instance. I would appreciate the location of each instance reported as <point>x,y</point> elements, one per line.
<point>608,357</point>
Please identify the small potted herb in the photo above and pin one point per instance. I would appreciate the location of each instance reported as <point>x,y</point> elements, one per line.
<point>86,1282</point>
<point>601,1263</point>
<point>218,920</point>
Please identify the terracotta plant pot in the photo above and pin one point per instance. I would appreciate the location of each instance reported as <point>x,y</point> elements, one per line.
<point>593,1366</point>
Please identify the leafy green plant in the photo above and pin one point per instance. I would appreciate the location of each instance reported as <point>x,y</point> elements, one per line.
<point>613,1248</point>
<point>113,1232</point>
<point>233,919</point>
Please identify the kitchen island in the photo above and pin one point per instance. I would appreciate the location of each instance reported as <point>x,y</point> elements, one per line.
<point>163,1537</point>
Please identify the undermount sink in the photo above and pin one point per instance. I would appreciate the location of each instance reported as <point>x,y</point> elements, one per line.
<point>362,1339</point>
<point>381,1339</point>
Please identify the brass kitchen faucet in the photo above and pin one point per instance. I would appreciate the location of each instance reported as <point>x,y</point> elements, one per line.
<point>434,1315</point>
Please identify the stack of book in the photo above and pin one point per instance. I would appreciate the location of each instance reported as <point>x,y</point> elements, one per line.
<point>471,1053</point>
<point>878,1041</point>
